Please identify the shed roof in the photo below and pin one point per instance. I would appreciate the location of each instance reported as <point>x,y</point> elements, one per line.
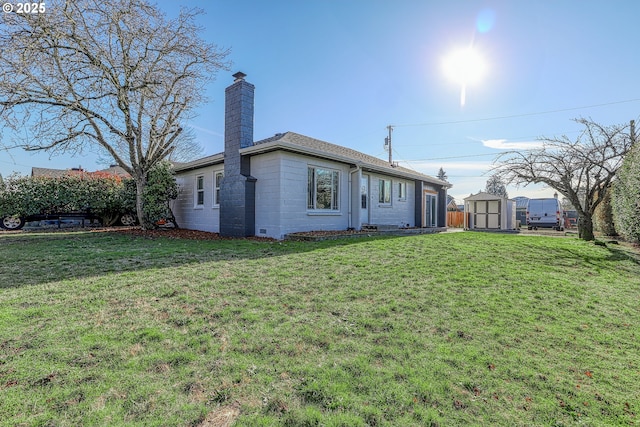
<point>485,196</point>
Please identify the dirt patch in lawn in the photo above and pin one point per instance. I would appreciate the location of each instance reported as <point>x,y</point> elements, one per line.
<point>222,417</point>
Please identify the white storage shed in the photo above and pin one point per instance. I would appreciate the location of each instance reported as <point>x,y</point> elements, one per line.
<point>484,211</point>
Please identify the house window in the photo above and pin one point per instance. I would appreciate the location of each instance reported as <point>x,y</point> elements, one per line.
<point>217,179</point>
<point>384,191</point>
<point>402,191</point>
<point>322,189</point>
<point>199,190</point>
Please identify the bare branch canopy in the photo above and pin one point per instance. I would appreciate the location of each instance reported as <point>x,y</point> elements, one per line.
<point>118,76</point>
<point>582,170</point>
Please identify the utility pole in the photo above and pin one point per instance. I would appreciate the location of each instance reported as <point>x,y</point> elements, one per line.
<point>387,144</point>
<point>632,132</point>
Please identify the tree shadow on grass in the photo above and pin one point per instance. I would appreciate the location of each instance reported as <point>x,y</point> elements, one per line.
<point>37,258</point>
<point>614,258</point>
<point>30,258</point>
<point>622,253</point>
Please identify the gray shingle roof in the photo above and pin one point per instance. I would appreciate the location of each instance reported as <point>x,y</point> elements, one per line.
<point>308,145</point>
<point>116,170</point>
<point>295,142</point>
<point>57,173</point>
<point>199,163</point>
<point>51,173</point>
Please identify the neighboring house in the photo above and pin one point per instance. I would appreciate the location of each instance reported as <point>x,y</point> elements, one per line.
<point>292,183</point>
<point>455,216</point>
<point>484,211</point>
<point>56,173</point>
<point>521,209</point>
<point>53,173</point>
<point>451,205</point>
<point>115,170</point>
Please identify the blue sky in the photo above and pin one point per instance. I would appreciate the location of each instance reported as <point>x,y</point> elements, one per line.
<point>342,70</point>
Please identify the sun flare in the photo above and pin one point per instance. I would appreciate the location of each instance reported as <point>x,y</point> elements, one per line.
<point>464,67</point>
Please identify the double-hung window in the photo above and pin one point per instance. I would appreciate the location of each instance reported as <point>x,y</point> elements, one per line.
<point>322,189</point>
<point>199,194</point>
<point>217,179</point>
<point>384,191</point>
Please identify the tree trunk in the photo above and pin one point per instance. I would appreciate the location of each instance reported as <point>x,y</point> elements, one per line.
<point>585,227</point>
<point>141,183</point>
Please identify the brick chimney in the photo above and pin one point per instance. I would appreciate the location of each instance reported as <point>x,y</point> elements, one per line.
<point>237,189</point>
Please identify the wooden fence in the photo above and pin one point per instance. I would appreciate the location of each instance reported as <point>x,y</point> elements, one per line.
<point>455,219</point>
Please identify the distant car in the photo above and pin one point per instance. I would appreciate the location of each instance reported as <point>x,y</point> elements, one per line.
<point>545,213</point>
<point>571,219</point>
<point>16,222</point>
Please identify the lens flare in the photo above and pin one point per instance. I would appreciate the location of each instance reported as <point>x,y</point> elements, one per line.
<point>485,20</point>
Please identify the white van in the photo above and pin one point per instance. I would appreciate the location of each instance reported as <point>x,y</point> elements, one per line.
<point>545,213</point>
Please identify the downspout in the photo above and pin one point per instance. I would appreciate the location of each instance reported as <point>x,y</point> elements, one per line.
<point>350,212</point>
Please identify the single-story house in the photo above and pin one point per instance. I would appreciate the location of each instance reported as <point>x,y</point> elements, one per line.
<point>292,183</point>
<point>484,211</point>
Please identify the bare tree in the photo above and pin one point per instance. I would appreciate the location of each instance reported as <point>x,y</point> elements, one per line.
<point>115,75</point>
<point>581,170</point>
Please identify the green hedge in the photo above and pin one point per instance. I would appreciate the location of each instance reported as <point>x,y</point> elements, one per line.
<point>626,196</point>
<point>105,196</point>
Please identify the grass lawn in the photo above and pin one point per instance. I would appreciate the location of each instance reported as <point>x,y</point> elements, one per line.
<point>452,329</point>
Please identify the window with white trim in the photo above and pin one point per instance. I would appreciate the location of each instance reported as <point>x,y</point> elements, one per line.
<point>322,189</point>
<point>402,190</point>
<point>384,191</point>
<point>217,179</point>
<point>199,193</point>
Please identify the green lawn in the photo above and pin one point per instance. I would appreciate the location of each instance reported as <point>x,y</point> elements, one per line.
<point>452,329</point>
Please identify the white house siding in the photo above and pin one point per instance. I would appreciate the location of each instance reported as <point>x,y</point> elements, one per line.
<point>266,168</point>
<point>281,195</point>
<point>205,218</point>
<point>399,212</point>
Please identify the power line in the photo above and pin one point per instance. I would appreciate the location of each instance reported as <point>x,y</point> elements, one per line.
<point>516,115</point>
<point>451,157</point>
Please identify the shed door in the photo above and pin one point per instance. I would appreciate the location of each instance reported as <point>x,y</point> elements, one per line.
<point>493,214</point>
<point>480,214</point>
<point>487,214</point>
